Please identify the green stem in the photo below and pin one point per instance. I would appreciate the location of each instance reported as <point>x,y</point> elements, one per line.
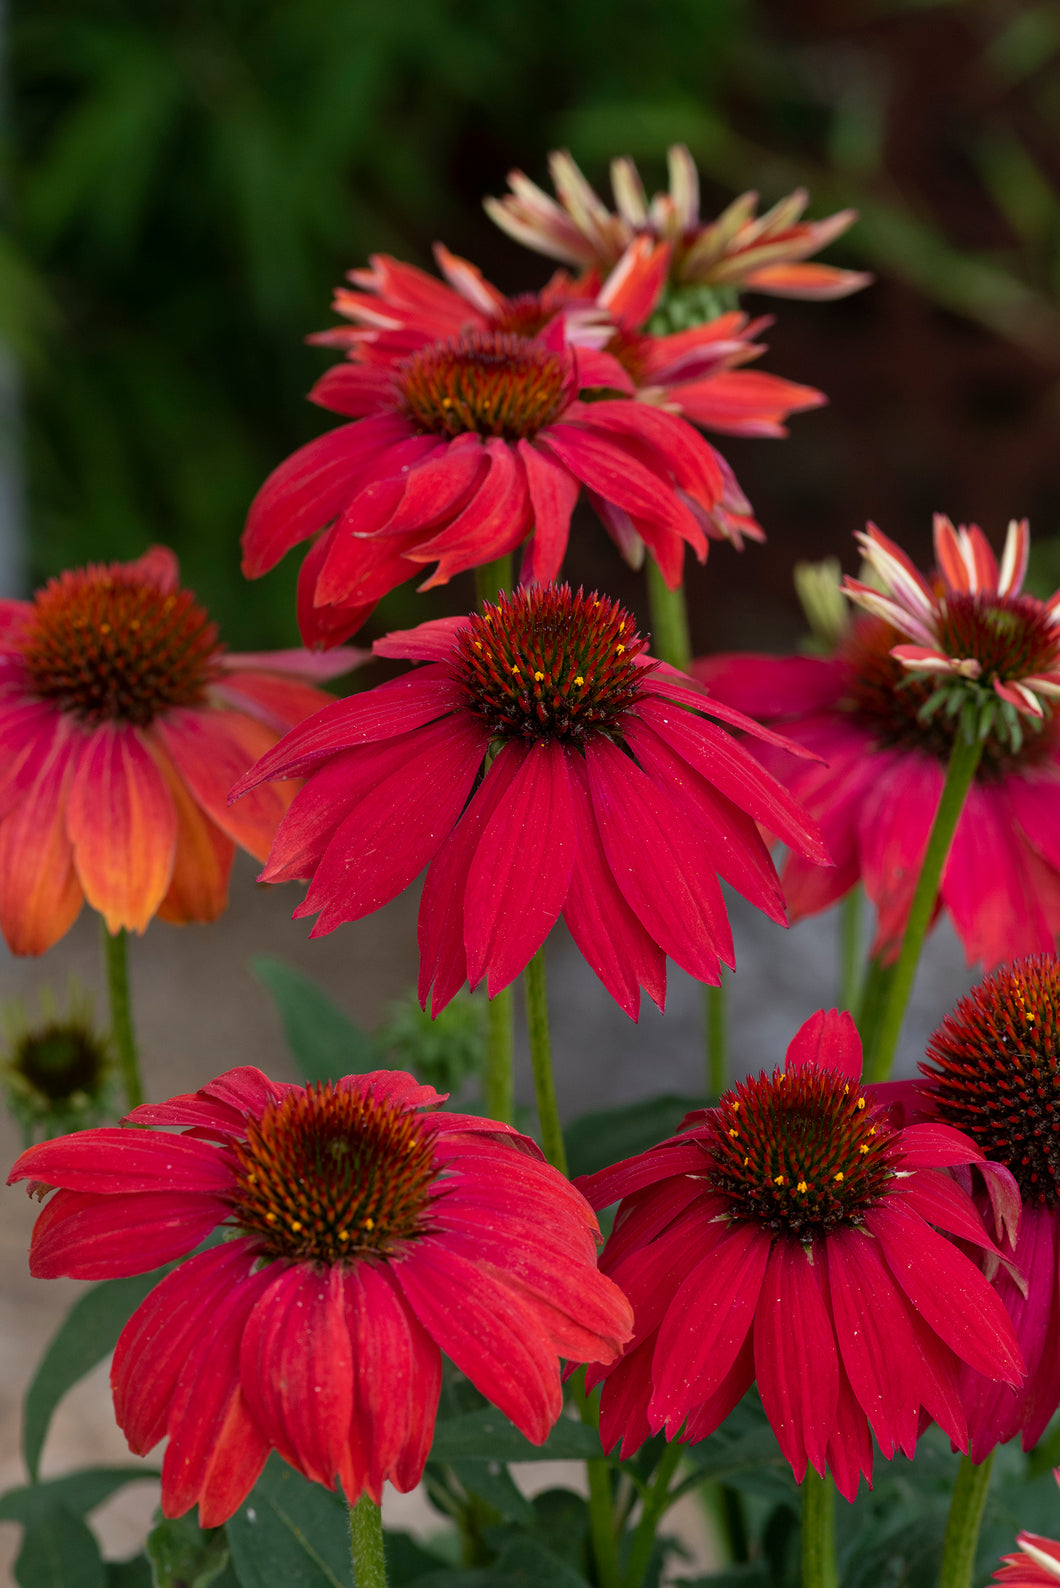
<point>962,1527</point>
<point>872,1000</point>
<point>670,639</point>
<point>601,1504</point>
<point>541,1061</point>
<point>717,1040</point>
<point>497,1082</point>
<point>366,1544</point>
<point>655,1503</point>
<point>493,577</point>
<point>964,759</point>
<point>115,954</point>
<point>850,949</point>
<point>818,1532</point>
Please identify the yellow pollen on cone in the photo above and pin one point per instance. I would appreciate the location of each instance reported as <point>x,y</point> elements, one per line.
<point>802,1186</point>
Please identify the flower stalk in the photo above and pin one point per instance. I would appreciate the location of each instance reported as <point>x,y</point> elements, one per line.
<point>960,772</point>
<point>656,1502</point>
<point>965,1518</point>
<point>601,1506</point>
<point>850,950</point>
<point>818,1532</point>
<point>498,1094</point>
<point>717,1039</point>
<point>541,1061</point>
<point>116,957</point>
<point>670,638</point>
<point>366,1544</point>
<point>493,577</point>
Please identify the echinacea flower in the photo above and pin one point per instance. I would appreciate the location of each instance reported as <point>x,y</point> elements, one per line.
<point>461,452</point>
<point>757,253</point>
<point>790,1237</point>
<point>612,797</point>
<point>1037,1565</point>
<point>993,1072</point>
<point>123,724</point>
<point>883,714</point>
<point>369,1232</point>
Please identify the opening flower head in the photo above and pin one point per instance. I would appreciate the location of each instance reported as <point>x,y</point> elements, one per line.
<point>540,763</point>
<point>794,1236</point>
<point>123,723</point>
<point>885,713</point>
<point>368,1231</point>
<point>992,651</point>
<point>56,1068</point>
<point>762,253</point>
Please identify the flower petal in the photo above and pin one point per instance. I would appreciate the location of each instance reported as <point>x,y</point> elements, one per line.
<point>829,1040</point>
<point>40,895</point>
<point>85,1235</point>
<point>796,1363</point>
<point>122,823</point>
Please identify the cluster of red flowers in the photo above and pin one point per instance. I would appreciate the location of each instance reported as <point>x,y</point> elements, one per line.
<point>872,1258</point>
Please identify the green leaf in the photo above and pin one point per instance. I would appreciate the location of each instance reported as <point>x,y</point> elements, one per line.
<point>185,1555</point>
<point>88,1333</point>
<point>290,1531</point>
<point>596,1140</point>
<point>492,1482</point>
<point>59,1551</point>
<point>489,1436</point>
<point>324,1043</point>
<point>406,1560</point>
<point>135,1573</point>
<point>522,1563</point>
<point>78,1492</point>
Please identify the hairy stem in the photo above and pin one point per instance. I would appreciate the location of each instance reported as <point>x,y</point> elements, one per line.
<point>366,1544</point>
<point>962,1527</point>
<point>818,1532</point>
<point>541,1061</point>
<point>116,958</point>
<point>497,1082</point>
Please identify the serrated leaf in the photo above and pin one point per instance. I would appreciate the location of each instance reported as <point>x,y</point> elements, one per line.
<point>79,1492</point>
<point>88,1333</point>
<point>290,1531</point>
<point>185,1555</point>
<point>610,1134</point>
<point>325,1044</point>
<point>488,1436</point>
<point>59,1551</point>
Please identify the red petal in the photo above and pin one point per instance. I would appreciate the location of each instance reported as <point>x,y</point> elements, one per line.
<point>829,1040</point>
<point>211,750</point>
<point>796,1364</point>
<point>123,1161</point>
<point>495,521</point>
<point>198,885</point>
<point>312,487</point>
<point>40,895</point>
<point>87,1236</point>
<point>518,879</point>
<point>553,493</point>
<point>296,1368</point>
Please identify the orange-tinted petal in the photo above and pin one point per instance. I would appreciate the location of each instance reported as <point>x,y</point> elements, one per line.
<point>40,895</point>
<point>198,888</point>
<point>123,827</point>
<point>212,750</point>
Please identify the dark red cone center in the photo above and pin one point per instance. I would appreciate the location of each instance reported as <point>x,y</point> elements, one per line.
<point>995,1065</point>
<point>548,664</point>
<point>326,1175</point>
<point>801,1153</point>
<point>103,643</point>
<point>494,383</point>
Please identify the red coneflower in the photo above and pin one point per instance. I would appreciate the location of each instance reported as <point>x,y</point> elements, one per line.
<point>459,453</point>
<point>789,1237</point>
<point>993,1072</point>
<point>883,714</point>
<point>123,724</point>
<point>611,797</point>
<point>369,1236</point>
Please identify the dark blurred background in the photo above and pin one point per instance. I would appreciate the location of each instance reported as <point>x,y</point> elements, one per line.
<point>187,180</point>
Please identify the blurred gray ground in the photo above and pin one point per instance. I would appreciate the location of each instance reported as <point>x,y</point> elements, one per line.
<point>200,1011</point>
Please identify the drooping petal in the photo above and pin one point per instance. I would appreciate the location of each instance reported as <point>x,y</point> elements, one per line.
<point>202,864</point>
<point>40,895</point>
<point>85,1235</point>
<point>212,749</point>
<point>796,1365</point>
<point>519,876</point>
<point>122,822</point>
<point>296,1368</point>
<point>112,1159</point>
<point>553,493</point>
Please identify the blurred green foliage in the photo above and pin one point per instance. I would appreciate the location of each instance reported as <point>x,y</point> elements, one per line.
<point>188,179</point>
